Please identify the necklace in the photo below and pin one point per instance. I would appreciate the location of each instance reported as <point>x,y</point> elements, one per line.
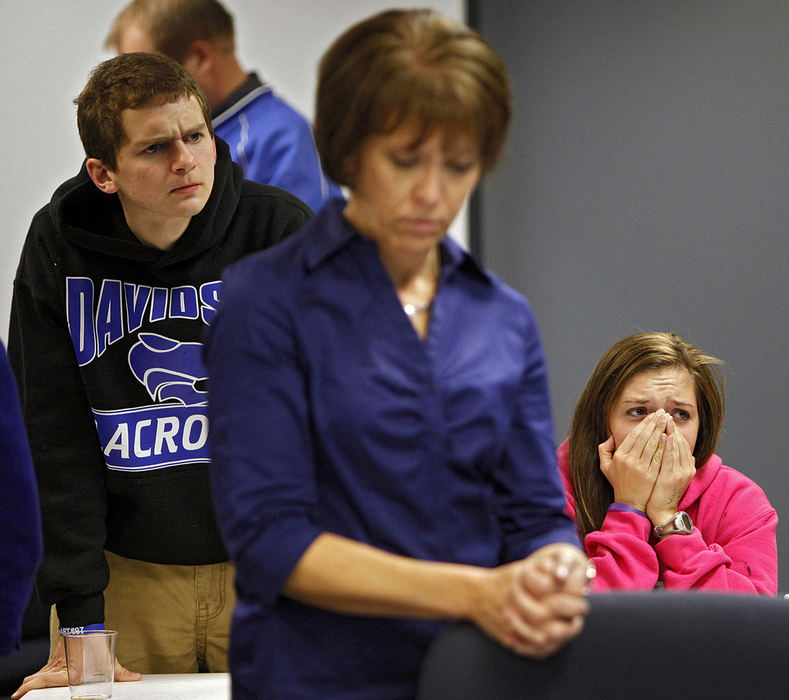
<point>431,277</point>
<point>414,309</point>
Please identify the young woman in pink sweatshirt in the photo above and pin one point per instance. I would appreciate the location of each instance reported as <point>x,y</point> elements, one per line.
<point>653,504</point>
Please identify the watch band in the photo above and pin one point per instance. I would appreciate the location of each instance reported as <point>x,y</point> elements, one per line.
<point>683,525</point>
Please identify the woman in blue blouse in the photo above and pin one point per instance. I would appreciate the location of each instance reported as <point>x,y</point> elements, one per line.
<point>20,518</point>
<point>382,439</point>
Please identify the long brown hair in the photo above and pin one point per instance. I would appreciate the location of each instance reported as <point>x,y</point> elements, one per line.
<point>590,424</point>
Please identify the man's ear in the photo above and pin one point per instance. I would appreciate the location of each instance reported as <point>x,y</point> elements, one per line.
<point>199,60</point>
<point>101,175</point>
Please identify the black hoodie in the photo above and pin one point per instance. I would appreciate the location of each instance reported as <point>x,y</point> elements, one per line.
<point>105,341</point>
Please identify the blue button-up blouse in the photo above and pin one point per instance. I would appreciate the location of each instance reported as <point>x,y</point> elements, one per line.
<point>329,413</point>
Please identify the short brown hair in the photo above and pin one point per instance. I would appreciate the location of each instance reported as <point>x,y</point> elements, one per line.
<point>590,424</point>
<point>129,81</point>
<point>173,25</point>
<point>409,64</point>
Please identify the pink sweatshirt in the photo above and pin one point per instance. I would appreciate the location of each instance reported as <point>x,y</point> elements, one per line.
<point>732,547</point>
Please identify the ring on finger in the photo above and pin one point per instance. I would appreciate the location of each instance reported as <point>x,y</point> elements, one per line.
<point>591,572</point>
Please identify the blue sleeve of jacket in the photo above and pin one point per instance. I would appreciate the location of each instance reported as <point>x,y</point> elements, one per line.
<point>290,162</point>
<point>273,145</point>
<point>20,522</point>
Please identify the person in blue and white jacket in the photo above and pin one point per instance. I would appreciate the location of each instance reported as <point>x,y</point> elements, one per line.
<point>268,139</point>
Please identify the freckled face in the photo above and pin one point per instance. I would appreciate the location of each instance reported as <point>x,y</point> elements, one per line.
<point>165,167</point>
<point>670,388</point>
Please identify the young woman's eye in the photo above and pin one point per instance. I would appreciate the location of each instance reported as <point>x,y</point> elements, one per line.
<point>637,411</point>
<point>679,414</point>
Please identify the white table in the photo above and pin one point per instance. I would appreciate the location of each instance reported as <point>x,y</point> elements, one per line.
<point>186,686</point>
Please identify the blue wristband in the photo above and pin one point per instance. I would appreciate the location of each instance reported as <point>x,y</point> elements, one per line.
<point>627,509</point>
<point>71,631</point>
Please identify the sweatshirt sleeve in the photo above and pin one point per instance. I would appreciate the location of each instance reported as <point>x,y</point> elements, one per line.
<point>732,547</point>
<point>20,521</point>
<point>622,554</point>
<point>64,444</point>
<point>735,553</point>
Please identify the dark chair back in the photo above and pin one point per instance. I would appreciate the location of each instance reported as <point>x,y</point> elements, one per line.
<point>659,645</point>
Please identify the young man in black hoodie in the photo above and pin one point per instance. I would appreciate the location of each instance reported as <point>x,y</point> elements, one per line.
<point>119,276</point>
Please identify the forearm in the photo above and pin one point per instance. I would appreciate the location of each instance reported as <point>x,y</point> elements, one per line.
<point>533,606</point>
<point>350,577</point>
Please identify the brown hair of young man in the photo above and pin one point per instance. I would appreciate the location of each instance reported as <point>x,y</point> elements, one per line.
<point>589,428</point>
<point>129,81</point>
<point>404,65</point>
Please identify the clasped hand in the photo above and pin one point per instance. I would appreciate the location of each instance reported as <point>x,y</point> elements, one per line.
<point>536,605</point>
<point>652,467</point>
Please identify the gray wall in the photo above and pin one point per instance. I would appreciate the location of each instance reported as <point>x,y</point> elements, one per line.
<point>646,187</point>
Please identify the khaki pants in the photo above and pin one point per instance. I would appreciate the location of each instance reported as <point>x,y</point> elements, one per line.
<point>170,619</point>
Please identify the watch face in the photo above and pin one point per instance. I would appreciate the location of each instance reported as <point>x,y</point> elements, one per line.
<point>683,525</point>
<point>683,522</point>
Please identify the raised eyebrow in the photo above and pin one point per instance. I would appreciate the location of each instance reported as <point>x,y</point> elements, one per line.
<point>151,140</point>
<point>166,138</point>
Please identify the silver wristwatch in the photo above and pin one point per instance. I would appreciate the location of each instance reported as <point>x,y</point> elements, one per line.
<point>683,525</point>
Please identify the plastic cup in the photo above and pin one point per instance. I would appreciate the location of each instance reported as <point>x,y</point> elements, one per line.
<point>90,659</point>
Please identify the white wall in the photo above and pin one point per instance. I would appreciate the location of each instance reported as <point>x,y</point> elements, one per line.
<point>48,47</point>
